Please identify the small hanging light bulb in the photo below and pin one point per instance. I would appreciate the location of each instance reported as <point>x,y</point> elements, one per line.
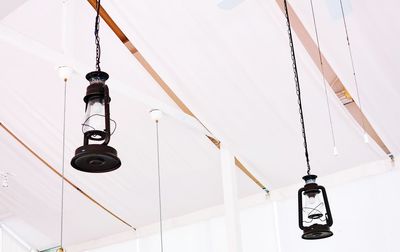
<point>366,138</point>
<point>335,151</point>
<point>64,72</point>
<point>5,182</point>
<point>4,176</point>
<point>156,114</point>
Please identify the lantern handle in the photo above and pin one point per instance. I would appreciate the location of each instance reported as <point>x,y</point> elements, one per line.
<point>300,206</point>
<point>328,216</point>
<point>107,115</point>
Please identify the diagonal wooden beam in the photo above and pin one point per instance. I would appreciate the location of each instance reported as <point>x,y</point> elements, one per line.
<point>146,65</point>
<point>331,77</point>
<point>53,169</point>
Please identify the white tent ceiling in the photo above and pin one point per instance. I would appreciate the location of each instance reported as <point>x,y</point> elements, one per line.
<point>231,67</point>
<point>374,39</point>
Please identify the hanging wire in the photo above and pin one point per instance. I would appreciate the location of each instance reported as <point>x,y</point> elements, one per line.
<point>323,78</point>
<point>298,91</point>
<point>353,69</point>
<point>96,34</point>
<point>159,188</point>
<point>63,167</point>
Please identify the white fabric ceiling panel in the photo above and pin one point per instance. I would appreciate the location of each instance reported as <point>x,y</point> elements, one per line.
<point>68,28</point>
<point>41,24</point>
<point>233,69</point>
<point>10,6</point>
<point>32,109</point>
<point>190,164</point>
<point>374,37</point>
<point>33,201</point>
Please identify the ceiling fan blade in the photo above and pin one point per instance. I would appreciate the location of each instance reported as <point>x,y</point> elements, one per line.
<point>229,4</point>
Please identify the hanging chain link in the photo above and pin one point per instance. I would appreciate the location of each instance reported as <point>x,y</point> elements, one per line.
<point>96,34</point>
<point>298,91</point>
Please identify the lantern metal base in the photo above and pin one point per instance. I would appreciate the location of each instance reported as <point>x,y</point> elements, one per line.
<point>316,232</point>
<point>96,158</point>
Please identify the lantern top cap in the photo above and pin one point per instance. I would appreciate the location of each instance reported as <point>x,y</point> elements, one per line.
<point>310,179</point>
<point>97,76</point>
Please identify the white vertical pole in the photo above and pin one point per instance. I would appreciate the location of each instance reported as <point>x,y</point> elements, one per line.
<point>230,201</point>
<point>137,241</point>
<point>276,222</point>
<point>1,240</point>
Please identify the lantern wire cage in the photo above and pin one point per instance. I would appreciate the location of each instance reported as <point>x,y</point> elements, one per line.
<point>85,124</point>
<point>314,213</point>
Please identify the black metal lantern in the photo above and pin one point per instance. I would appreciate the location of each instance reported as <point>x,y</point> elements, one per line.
<point>315,218</point>
<point>96,157</point>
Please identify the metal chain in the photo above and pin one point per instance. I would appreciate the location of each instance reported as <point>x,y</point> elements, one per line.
<point>323,76</point>
<point>159,189</point>
<point>96,34</point>
<point>63,166</point>
<point>298,91</point>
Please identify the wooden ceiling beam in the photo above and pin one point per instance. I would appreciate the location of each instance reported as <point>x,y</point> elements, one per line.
<point>150,70</point>
<point>331,77</point>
